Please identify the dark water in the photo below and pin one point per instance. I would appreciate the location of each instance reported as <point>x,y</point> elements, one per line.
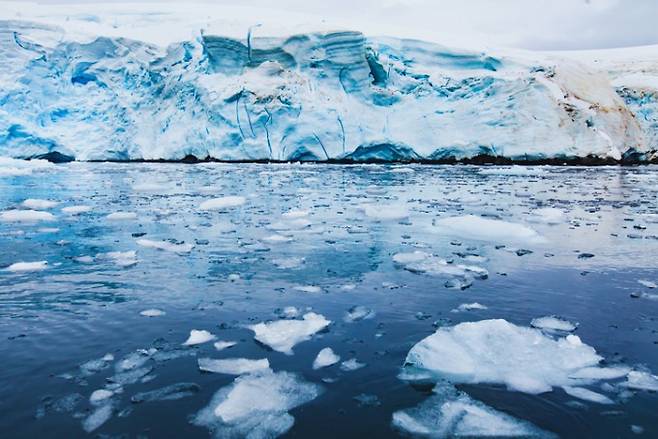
<point>74,311</point>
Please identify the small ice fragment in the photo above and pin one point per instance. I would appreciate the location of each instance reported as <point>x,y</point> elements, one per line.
<point>232,366</point>
<point>357,313</point>
<point>22,267</point>
<point>25,216</point>
<point>587,395</point>
<point>222,203</point>
<point>256,405</point>
<point>122,259</point>
<point>198,337</point>
<point>121,216</point>
<point>288,263</point>
<point>166,246</point>
<point>487,229</point>
<point>351,365</point>
<point>308,289</point>
<point>409,258</point>
<point>76,210</point>
<point>553,323</point>
<point>283,335</point>
<point>637,429</point>
<point>391,212</point>
<point>600,373</point>
<point>641,380</point>
<point>168,393</point>
<point>97,418</point>
<point>295,214</point>
<point>548,215</point>
<point>100,395</point>
<point>647,283</point>
<point>221,345</point>
<point>469,307</point>
<point>277,239</point>
<point>84,259</point>
<point>326,357</point>
<point>152,312</point>
<point>33,203</point>
<point>233,277</point>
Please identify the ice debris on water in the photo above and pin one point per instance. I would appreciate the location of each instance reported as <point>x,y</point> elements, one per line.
<point>222,203</point>
<point>98,417</point>
<point>283,335</point>
<point>152,312</point>
<point>25,216</point>
<point>487,229</point>
<point>99,396</point>
<point>22,267</point>
<point>37,204</point>
<point>256,405</point>
<point>168,393</point>
<point>121,216</point>
<point>641,380</point>
<point>221,344</point>
<point>122,259</point>
<point>553,323</point>
<point>198,337</point>
<point>325,358</point>
<point>469,307</point>
<point>357,313</point>
<point>351,365</point>
<point>166,246</point>
<point>232,366</point>
<point>76,210</point>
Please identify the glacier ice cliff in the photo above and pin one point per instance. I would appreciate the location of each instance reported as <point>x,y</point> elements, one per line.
<point>308,97</point>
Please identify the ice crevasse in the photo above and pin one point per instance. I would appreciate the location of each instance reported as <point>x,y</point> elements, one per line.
<point>312,96</point>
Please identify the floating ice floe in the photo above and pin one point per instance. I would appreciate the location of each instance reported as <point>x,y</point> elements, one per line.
<point>647,283</point>
<point>351,365</point>
<point>256,405</point>
<point>10,167</point>
<point>122,259</point>
<point>641,380</point>
<point>498,352</point>
<point>121,216</point>
<point>152,312</point>
<point>21,267</point>
<point>277,239</point>
<point>221,345</point>
<point>168,393</point>
<point>25,216</point>
<point>232,366</point>
<point>308,289</point>
<point>452,413</point>
<point>390,212</point>
<point>37,204</point>
<point>283,335</point>
<point>422,262</point>
<point>469,307</point>
<point>515,170</point>
<point>357,313</point>
<point>198,337</point>
<point>222,203</point>
<point>76,210</point>
<point>295,214</point>
<point>98,417</point>
<point>92,367</point>
<point>587,395</point>
<point>487,229</point>
<point>548,215</point>
<point>326,357</point>
<point>100,396</point>
<point>288,263</point>
<point>553,323</point>
<point>166,246</point>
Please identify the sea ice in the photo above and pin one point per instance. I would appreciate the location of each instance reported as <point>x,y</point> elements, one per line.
<point>452,413</point>
<point>222,203</point>
<point>641,380</point>
<point>351,365</point>
<point>166,246</point>
<point>198,337</point>
<point>391,212</point>
<point>499,352</point>
<point>647,283</point>
<point>33,203</point>
<point>100,395</point>
<point>553,323</point>
<point>308,289</point>
<point>548,215</point>
<point>152,312</point>
<point>25,216</point>
<point>168,393</point>
<point>256,405</point>
<point>326,357</point>
<point>587,395</point>
<point>121,216</point>
<point>232,366</point>
<point>357,313</point>
<point>21,267</point>
<point>15,167</point>
<point>283,335</point>
<point>469,307</point>
<point>76,210</point>
<point>221,345</point>
<point>122,259</point>
<point>487,229</point>
<point>97,418</point>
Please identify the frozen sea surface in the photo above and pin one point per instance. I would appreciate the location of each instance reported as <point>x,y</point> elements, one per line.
<point>106,269</point>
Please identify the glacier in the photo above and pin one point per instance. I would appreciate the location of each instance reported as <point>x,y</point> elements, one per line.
<point>313,96</point>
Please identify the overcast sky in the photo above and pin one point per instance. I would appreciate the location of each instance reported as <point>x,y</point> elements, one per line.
<point>530,24</point>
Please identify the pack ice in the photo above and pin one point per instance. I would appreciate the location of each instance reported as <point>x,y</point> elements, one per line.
<point>105,85</point>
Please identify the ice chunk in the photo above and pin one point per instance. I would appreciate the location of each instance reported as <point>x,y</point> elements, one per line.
<point>168,393</point>
<point>295,214</point>
<point>25,216</point>
<point>76,210</point>
<point>600,373</point>
<point>37,204</point>
<point>221,345</point>
<point>198,337</point>
<point>283,335</point>
<point>97,418</point>
<point>288,263</point>
<point>548,215</point>
<point>152,312</point>
<point>232,366</point>
<point>94,366</point>
<point>100,395</point>
<point>166,246</point>
<point>21,267</point>
<point>499,352</point>
<point>357,313</point>
<point>13,167</point>
<point>421,262</point>
<point>451,413</point>
<point>122,259</point>
<point>487,229</point>
<point>326,357</point>
<point>277,239</point>
<point>130,376</point>
<point>469,307</point>
<point>391,212</point>
<point>642,380</point>
<point>308,289</point>
<point>351,365</point>
<point>121,216</point>
<point>222,203</point>
<point>410,258</point>
<point>256,405</point>
<point>587,395</point>
<point>647,283</point>
<point>553,323</point>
